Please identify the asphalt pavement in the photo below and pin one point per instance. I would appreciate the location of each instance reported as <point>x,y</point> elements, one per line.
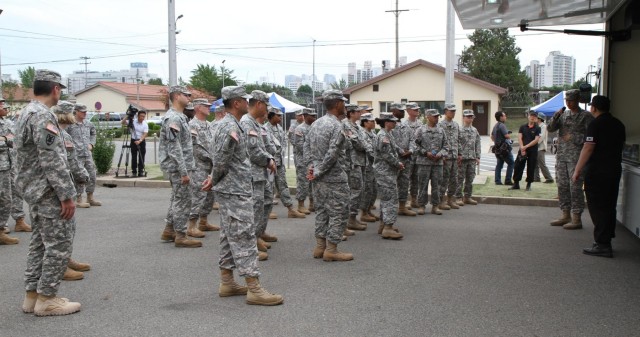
<point>485,270</point>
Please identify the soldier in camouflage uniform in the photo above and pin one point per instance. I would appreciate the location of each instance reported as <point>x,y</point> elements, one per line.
<point>468,158</point>
<point>370,191</point>
<point>280,140</point>
<point>324,150</point>
<point>303,186</point>
<point>64,112</point>
<point>358,158</point>
<point>413,121</point>
<point>571,126</point>
<point>291,132</point>
<point>84,139</point>
<point>270,145</point>
<point>387,166</point>
<point>45,182</point>
<point>201,201</point>
<point>7,163</point>
<point>213,126</point>
<point>176,161</point>
<point>432,144</point>
<point>262,163</point>
<point>405,140</point>
<point>450,164</point>
<point>231,179</point>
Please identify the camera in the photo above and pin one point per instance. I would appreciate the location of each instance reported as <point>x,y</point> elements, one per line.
<point>131,111</point>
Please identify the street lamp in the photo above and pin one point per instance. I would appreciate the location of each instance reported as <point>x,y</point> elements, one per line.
<point>223,73</point>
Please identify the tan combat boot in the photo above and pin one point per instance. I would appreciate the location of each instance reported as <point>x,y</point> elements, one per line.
<point>54,306</point>
<point>451,201</point>
<point>257,295</point>
<point>321,245</point>
<point>22,226</point>
<point>469,201</point>
<point>414,202</point>
<point>460,202</point>
<point>168,234</point>
<point>182,241</point>
<point>436,210</point>
<point>261,245</point>
<point>293,213</point>
<point>348,232</point>
<point>80,204</point>
<point>443,204</point>
<point>354,224</point>
<point>301,208</point>
<point>565,219</point>
<point>373,214</point>
<point>205,226</point>
<point>407,205</point>
<point>29,303</point>
<point>78,266</point>
<point>388,232</point>
<point>92,201</point>
<point>228,286</point>
<point>331,253</point>
<point>72,275</point>
<point>268,237</point>
<point>8,240</point>
<point>576,222</point>
<point>402,210</point>
<point>192,229</point>
<point>421,210</point>
<point>366,217</point>
<point>312,208</point>
<point>262,256</point>
<point>273,216</point>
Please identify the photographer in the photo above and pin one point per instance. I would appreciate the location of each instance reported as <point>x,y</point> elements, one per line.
<point>139,129</point>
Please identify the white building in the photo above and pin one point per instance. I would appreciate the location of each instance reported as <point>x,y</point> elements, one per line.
<point>81,79</point>
<point>559,70</point>
<point>536,72</point>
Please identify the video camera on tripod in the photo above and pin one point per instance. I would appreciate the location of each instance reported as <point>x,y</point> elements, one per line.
<point>126,145</point>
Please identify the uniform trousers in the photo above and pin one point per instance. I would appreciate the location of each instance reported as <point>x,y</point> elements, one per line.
<point>332,209</point>
<point>238,245</point>
<point>179,203</point>
<point>570,194</point>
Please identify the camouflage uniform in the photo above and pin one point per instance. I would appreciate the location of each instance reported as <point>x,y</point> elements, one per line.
<point>358,154</point>
<point>405,141</point>
<point>201,201</point>
<point>330,185</point>
<point>84,134</point>
<point>280,140</point>
<point>414,186</point>
<point>470,150</point>
<point>176,160</point>
<point>450,165</point>
<point>291,134</point>
<point>303,185</point>
<point>270,185</point>
<point>387,167</point>
<point>17,210</point>
<point>430,140</point>
<point>370,190</point>
<point>7,164</point>
<point>231,178</point>
<point>44,180</point>
<point>259,158</point>
<point>571,129</point>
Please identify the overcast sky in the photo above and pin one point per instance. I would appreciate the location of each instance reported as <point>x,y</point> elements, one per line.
<point>256,38</point>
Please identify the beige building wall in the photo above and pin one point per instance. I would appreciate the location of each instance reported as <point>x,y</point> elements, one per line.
<point>111,100</point>
<point>425,84</point>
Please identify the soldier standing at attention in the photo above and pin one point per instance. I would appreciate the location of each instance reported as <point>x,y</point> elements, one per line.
<point>405,140</point>
<point>201,201</point>
<point>299,120</point>
<point>468,158</point>
<point>450,163</point>
<point>571,126</point>
<point>176,160</point>
<point>387,165</point>
<point>357,160</point>
<point>413,110</point>
<point>304,186</point>
<point>84,138</point>
<point>370,191</point>
<point>324,151</point>
<point>432,148</point>
<point>213,127</point>
<point>280,140</point>
<point>45,183</point>
<point>6,182</point>
<point>231,181</point>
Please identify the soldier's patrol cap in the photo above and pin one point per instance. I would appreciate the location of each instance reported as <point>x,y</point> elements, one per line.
<point>572,95</point>
<point>49,76</point>
<point>219,108</point>
<point>233,91</point>
<point>398,106</point>
<point>468,113</point>
<point>450,107</point>
<point>366,108</point>
<point>352,107</point>
<point>189,107</point>
<point>201,101</point>
<point>367,117</point>
<point>180,89</point>
<point>299,112</point>
<point>261,96</point>
<point>413,106</point>
<point>64,107</point>
<point>386,116</point>
<point>432,112</point>
<point>309,111</point>
<point>274,110</point>
<point>541,116</point>
<point>80,107</point>
<point>333,94</point>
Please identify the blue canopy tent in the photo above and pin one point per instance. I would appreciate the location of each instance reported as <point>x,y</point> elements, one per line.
<point>284,104</point>
<point>215,104</point>
<point>550,106</point>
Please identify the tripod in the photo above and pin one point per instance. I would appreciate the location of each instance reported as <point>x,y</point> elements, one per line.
<point>126,148</point>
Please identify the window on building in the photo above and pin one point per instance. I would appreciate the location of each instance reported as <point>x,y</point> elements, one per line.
<point>424,105</point>
<point>376,88</point>
<point>385,106</point>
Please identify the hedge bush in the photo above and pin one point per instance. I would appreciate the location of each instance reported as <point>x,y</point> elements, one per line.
<point>104,150</point>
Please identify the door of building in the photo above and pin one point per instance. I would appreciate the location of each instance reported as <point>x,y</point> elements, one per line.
<point>481,121</point>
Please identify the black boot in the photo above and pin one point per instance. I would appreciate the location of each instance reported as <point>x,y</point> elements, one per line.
<point>516,186</point>
<point>528,187</point>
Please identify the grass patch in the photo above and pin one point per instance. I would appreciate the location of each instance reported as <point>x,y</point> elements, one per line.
<point>538,190</point>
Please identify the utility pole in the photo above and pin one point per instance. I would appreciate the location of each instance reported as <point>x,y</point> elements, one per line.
<point>313,76</point>
<point>450,47</point>
<point>397,14</point>
<point>86,63</point>
<point>173,67</point>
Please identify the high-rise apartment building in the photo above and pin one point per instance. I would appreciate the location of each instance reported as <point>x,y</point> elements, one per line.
<point>559,69</point>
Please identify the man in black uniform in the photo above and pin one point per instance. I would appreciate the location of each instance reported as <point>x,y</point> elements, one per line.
<point>601,157</point>
<point>528,136</point>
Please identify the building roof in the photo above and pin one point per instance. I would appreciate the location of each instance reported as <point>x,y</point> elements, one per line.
<point>17,94</point>
<point>498,90</point>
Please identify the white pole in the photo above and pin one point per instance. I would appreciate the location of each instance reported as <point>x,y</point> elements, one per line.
<point>173,67</point>
<point>450,50</point>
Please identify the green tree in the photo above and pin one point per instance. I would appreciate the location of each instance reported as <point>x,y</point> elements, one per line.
<point>209,79</point>
<point>341,85</point>
<point>493,57</point>
<point>27,76</point>
<point>304,90</point>
<point>155,81</point>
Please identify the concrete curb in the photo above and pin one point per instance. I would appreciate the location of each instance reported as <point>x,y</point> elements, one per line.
<point>132,182</point>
